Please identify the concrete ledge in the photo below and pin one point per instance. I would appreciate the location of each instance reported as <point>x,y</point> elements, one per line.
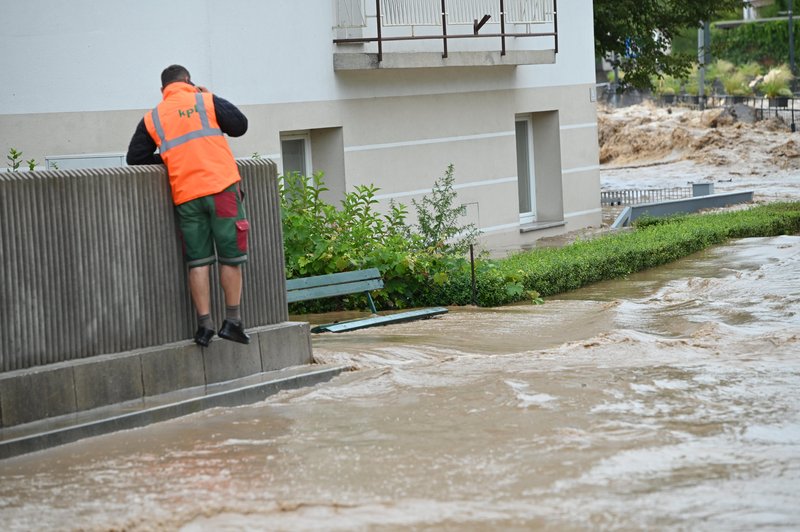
<point>66,387</point>
<point>513,58</point>
<point>277,348</point>
<point>226,360</point>
<point>37,394</point>
<point>540,226</point>
<point>106,380</point>
<point>173,369</point>
<point>686,205</point>
<point>55,431</point>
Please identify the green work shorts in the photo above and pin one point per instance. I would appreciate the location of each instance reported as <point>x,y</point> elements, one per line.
<point>216,220</point>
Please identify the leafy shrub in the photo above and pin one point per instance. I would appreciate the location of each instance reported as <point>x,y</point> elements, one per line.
<point>776,82</point>
<point>719,70</point>
<point>737,84</point>
<point>438,218</point>
<point>692,83</point>
<point>320,239</point>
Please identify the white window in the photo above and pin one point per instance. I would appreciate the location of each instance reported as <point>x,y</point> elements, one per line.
<point>296,153</point>
<point>539,178</point>
<point>526,177</point>
<point>95,160</point>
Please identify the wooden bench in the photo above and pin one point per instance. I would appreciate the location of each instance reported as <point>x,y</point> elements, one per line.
<point>340,284</point>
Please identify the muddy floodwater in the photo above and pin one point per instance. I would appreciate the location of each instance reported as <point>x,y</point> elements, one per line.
<point>666,401</point>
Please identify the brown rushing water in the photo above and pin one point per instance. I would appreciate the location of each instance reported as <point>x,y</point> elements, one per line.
<point>666,401</point>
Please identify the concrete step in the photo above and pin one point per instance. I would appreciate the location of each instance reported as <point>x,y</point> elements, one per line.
<point>46,433</point>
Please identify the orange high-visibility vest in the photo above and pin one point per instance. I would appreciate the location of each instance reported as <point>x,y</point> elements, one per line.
<point>185,129</point>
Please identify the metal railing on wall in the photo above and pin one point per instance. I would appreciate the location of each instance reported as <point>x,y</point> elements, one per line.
<point>636,196</point>
<point>91,262</point>
<point>410,13</point>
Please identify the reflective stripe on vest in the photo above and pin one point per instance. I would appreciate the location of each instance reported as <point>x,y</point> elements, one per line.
<point>205,131</point>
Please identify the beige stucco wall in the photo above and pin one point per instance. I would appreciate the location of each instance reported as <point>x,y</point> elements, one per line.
<point>401,144</point>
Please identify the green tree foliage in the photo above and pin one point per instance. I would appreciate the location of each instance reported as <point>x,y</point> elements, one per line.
<point>766,43</point>
<point>778,9</point>
<point>639,32</point>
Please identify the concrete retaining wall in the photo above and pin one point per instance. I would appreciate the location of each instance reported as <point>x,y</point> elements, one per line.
<point>91,263</point>
<point>94,308</point>
<point>76,386</point>
<point>686,205</point>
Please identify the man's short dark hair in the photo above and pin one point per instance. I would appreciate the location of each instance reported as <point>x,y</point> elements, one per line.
<point>174,73</point>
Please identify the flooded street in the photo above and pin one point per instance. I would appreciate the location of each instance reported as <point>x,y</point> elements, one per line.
<point>670,400</point>
<point>646,146</point>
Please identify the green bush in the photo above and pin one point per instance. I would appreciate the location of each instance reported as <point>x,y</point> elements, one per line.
<point>737,84</point>
<point>653,242</point>
<point>776,82</point>
<point>321,239</point>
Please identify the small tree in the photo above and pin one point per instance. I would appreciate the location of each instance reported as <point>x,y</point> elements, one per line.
<point>438,218</point>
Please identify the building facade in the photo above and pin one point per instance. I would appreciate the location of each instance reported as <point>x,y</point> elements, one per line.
<point>513,108</point>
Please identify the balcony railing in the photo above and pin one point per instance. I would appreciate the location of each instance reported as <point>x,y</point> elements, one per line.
<point>411,13</point>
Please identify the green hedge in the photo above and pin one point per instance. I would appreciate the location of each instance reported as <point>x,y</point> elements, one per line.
<point>549,271</point>
<point>445,279</point>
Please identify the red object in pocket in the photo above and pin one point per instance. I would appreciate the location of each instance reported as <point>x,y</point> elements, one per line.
<point>242,228</point>
<point>225,204</point>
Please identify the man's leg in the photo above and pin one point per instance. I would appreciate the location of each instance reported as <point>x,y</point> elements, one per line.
<point>230,278</point>
<point>230,234</point>
<point>198,249</point>
<point>199,287</point>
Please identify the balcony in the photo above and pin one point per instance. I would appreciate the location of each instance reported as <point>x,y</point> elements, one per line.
<point>396,34</point>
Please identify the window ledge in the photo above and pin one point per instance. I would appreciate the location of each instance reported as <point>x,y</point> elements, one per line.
<point>540,226</point>
<point>359,61</point>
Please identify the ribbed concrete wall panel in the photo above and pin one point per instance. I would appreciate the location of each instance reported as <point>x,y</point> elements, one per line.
<point>91,262</point>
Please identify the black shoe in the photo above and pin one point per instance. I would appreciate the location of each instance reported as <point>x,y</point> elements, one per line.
<point>203,336</point>
<point>233,331</point>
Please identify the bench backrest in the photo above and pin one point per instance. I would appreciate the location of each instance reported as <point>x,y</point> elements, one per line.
<point>335,284</point>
